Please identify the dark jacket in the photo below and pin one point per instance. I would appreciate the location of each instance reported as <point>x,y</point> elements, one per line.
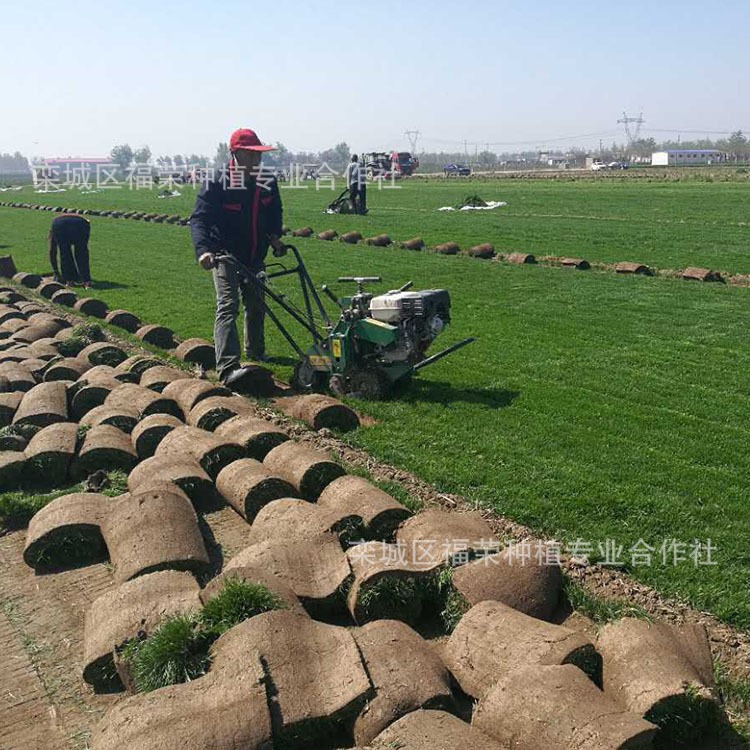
<point>237,220</point>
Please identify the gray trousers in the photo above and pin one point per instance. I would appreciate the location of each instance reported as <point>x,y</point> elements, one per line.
<point>229,288</point>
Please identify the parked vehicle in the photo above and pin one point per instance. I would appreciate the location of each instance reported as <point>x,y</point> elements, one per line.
<point>618,165</point>
<point>456,170</point>
<point>597,166</point>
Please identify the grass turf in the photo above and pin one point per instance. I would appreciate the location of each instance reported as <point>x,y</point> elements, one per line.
<point>592,406</point>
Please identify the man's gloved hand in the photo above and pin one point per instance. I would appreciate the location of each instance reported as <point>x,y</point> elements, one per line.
<point>279,248</point>
<point>207,261</point>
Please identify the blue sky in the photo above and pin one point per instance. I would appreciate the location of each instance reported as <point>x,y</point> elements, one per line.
<point>78,77</point>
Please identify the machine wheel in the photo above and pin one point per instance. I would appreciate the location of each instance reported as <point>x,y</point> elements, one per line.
<point>307,380</point>
<point>368,384</point>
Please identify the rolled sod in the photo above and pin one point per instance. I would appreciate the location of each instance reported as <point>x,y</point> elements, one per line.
<point>143,400</point>
<point>9,403</point>
<point>350,238</point>
<point>157,378</point>
<point>580,264</point>
<point>380,240</point>
<point>18,377</point>
<point>308,470</point>
<point>215,410</point>
<point>48,288</point>
<point>248,486</point>
<point>328,235</point>
<point>425,729</point>
<point>492,639</point>
<point>320,411</point>
<point>123,418</point>
<point>416,243</point>
<point>131,610</point>
<point>198,351</point>
<point>484,251</point>
<point>12,466</point>
<point>302,232</point>
<point>103,353</point>
<point>10,312</point>
<point>13,442</point>
<point>189,391</point>
<point>31,280</point>
<point>213,453</point>
<point>36,331</point>
<point>104,448</point>
<point>42,317</point>
<point>700,274</point>
<point>69,368</point>
<point>7,266</point>
<point>150,431</point>
<point>44,349</point>
<point>154,530</point>
<point>406,673</point>
<point>67,531</point>
<point>519,258</point>
<point>355,496</point>
<point>50,452</point>
<point>37,367</point>
<point>447,248</point>
<point>65,297</point>
<point>43,405</point>
<point>636,268</point>
<point>138,364</point>
<point>123,319</point>
<point>555,707</point>
<point>156,336</point>
<point>90,306</point>
<point>183,471</point>
<point>15,323</point>
<point>256,436</point>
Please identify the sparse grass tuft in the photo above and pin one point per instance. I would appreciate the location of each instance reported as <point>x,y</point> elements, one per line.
<point>600,610</point>
<point>237,601</point>
<point>685,719</point>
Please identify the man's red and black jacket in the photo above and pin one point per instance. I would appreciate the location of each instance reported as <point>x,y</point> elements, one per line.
<point>237,220</point>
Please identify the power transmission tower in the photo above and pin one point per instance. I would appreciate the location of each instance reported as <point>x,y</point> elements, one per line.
<point>632,127</point>
<point>413,136</point>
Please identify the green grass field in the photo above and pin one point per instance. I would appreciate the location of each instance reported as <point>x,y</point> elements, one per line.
<point>592,406</point>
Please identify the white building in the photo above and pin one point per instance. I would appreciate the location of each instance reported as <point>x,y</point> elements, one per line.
<point>686,157</point>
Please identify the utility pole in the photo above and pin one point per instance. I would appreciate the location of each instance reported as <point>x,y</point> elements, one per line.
<point>632,133</point>
<point>413,136</point>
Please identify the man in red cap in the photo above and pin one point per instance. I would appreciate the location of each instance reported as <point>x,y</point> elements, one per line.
<point>238,213</point>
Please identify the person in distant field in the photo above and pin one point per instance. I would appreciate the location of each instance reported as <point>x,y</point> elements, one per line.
<point>355,181</point>
<point>238,213</point>
<point>69,234</point>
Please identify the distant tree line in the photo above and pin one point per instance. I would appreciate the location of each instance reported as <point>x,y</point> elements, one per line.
<point>14,163</point>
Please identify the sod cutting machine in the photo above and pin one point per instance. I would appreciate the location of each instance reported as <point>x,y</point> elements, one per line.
<point>378,341</point>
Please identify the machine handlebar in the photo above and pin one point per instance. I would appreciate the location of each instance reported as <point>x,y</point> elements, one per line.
<point>360,279</point>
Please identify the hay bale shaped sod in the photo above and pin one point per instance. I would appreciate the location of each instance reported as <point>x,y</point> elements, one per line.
<point>528,584</point>
<point>447,248</point>
<point>7,267</point>
<point>248,486</point>
<point>157,378</point>
<point>35,332</point>
<point>50,452</point>
<point>328,235</point>
<point>215,410</point>
<point>211,452</point>
<point>256,436</point>
<point>12,441</point>
<point>10,312</point>
<point>519,258</point>
<point>9,403</point>
<point>154,530</point>
<point>39,317</point>
<point>292,520</point>
<point>104,448</point>
<point>148,433</point>
<point>308,470</point>
<point>43,405</point>
<point>188,392</point>
<point>320,411</point>
<point>415,243</point>
<point>442,535</point>
<point>579,264</point>
<point>18,377</point>
<point>68,368</point>
<point>133,608</point>
<point>350,238</point>
<point>137,365</point>
<point>15,324</point>
<point>492,639</point>
<point>183,471</point>
<point>123,319</point>
<point>210,712</point>
<point>143,400</point>
<point>427,730</point>
<point>156,335</point>
<point>87,393</point>
<point>197,351</point>
<point>90,306</point>
<point>67,532</point>
<point>389,584</point>
<point>103,353</point>
<point>484,251</point>
<point>380,240</point>
<point>319,680</point>
<point>654,668</point>
<point>351,495</point>
<point>701,274</point>
<point>406,672</point>
<point>122,418</point>
<point>12,466</point>
<point>30,280</point>
<point>37,367</point>
<point>316,570</point>
<point>636,268</point>
<point>302,232</point>
<point>558,706</point>
<point>44,349</point>
<point>257,576</point>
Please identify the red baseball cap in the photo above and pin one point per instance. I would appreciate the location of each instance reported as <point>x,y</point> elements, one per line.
<point>247,140</point>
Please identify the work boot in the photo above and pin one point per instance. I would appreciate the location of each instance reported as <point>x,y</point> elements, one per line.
<point>234,379</point>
